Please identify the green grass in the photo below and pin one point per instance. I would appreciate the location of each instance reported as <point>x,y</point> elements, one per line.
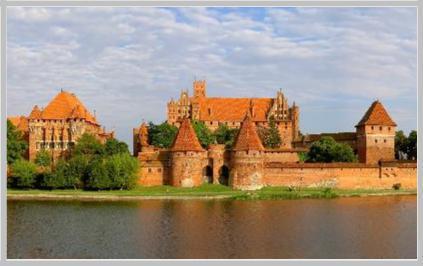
<point>209,190</point>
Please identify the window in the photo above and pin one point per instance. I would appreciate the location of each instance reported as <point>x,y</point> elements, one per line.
<point>159,170</point>
<point>209,111</point>
<point>149,170</point>
<point>373,127</point>
<point>375,140</point>
<point>384,140</point>
<point>389,128</point>
<point>380,128</point>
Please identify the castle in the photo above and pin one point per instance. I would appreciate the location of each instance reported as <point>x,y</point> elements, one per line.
<point>58,126</point>
<point>215,111</point>
<point>248,165</point>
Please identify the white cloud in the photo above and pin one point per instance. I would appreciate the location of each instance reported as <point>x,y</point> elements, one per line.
<point>127,62</point>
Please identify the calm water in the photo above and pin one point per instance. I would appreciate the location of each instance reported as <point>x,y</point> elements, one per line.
<point>373,227</point>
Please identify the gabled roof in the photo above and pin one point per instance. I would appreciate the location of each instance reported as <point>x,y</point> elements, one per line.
<point>248,138</point>
<point>186,139</point>
<point>376,115</point>
<point>234,109</point>
<point>66,105</point>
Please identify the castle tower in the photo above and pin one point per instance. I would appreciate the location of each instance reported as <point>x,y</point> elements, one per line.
<point>295,113</point>
<point>187,157</point>
<point>199,88</point>
<point>376,135</point>
<point>140,138</point>
<point>247,158</point>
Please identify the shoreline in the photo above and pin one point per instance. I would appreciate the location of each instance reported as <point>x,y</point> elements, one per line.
<point>232,195</point>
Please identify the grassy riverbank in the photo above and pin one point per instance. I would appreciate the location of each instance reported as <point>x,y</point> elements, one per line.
<point>205,191</point>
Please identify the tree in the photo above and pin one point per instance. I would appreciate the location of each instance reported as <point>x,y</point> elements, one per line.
<point>23,174</point>
<point>412,145</point>
<point>77,171</point>
<point>16,145</point>
<point>43,158</point>
<point>400,145</point>
<point>328,150</point>
<point>225,135</point>
<point>113,146</point>
<point>269,136</point>
<point>88,145</point>
<point>274,139</point>
<point>204,135</point>
<point>122,170</point>
<point>98,178</point>
<point>161,135</point>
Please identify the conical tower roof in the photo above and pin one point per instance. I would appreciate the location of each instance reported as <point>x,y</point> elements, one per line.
<point>186,139</point>
<point>248,138</point>
<point>376,115</point>
<point>35,113</point>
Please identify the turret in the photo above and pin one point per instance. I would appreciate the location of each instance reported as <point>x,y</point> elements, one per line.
<point>199,88</point>
<point>187,157</point>
<point>247,166</point>
<point>376,135</point>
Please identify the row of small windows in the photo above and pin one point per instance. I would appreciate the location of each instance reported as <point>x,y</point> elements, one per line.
<point>159,170</point>
<point>53,145</point>
<point>376,141</point>
<point>380,128</point>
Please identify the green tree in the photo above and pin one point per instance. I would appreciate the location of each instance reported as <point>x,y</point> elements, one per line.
<point>204,135</point>
<point>412,145</point>
<point>57,178</point>
<point>23,174</point>
<point>88,145</point>
<point>98,178</point>
<point>77,171</point>
<point>16,145</point>
<point>274,139</point>
<point>328,150</point>
<point>400,144</point>
<point>225,135</point>
<point>43,158</point>
<point>122,170</point>
<point>161,135</point>
<point>113,146</point>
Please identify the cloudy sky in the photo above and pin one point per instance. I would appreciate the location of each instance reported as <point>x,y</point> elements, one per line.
<point>126,63</point>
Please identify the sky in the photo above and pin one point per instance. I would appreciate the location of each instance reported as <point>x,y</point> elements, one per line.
<point>127,63</point>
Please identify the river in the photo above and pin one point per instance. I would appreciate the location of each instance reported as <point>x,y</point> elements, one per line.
<point>342,228</point>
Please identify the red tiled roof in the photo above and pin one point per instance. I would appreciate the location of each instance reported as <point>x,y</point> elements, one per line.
<point>233,109</point>
<point>248,138</point>
<point>186,139</point>
<point>376,115</point>
<point>35,113</point>
<point>20,122</point>
<point>66,105</point>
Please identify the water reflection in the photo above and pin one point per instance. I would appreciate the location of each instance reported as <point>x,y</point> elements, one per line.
<point>373,227</point>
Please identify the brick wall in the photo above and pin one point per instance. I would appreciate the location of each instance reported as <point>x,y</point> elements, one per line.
<point>341,175</point>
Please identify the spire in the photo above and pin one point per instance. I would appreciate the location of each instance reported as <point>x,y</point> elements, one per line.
<point>186,139</point>
<point>35,113</point>
<point>376,115</point>
<point>248,138</point>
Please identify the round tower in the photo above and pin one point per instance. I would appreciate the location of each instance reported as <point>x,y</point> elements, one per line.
<point>187,158</point>
<point>247,162</point>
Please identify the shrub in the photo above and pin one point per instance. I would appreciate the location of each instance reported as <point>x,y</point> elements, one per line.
<point>43,158</point>
<point>23,174</point>
<point>396,186</point>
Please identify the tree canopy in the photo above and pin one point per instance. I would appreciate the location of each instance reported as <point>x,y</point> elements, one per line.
<point>406,147</point>
<point>204,134</point>
<point>225,135</point>
<point>16,145</point>
<point>328,150</point>
<point>161,135</point>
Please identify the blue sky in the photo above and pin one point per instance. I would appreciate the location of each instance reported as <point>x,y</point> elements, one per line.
<point>126,63</point>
